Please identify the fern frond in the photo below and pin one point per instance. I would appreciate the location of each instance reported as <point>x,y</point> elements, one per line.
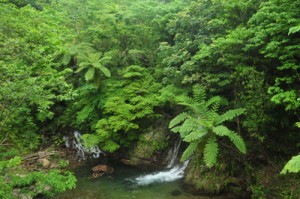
<point>105,71</point>
<point>212,101</point>
<point>189,151</point>
<point>292,166</point>
<point>184,99</point>
<point>221,130</point>
<point>89,75</point>
<point>187,127</point>
<point>228,115</point>
<point>199,94</point>
<point>195,135</point>
<point>211,152</point>
<point>176,129</point>
<point>238,142</point>
<point>178,119</point>
<point>235,138</point>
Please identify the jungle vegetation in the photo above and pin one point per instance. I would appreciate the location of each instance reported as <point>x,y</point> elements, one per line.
<point>226,71</point>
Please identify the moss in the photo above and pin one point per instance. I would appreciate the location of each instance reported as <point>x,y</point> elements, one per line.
<point>153,140</point>
<point>207,181</point>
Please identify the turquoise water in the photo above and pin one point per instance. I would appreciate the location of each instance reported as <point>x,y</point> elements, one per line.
<point>119,185</point>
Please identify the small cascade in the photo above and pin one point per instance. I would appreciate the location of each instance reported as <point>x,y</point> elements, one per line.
<point>81,151</point>
<point>174,153</point>
<point>170,175</point>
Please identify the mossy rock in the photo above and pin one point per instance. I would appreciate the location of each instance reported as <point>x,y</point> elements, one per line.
<point>150,143</point>
<point>206,181</point>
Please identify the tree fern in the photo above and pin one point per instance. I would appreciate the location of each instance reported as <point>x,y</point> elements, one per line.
<point>211,152</point>
<point>198,125</point>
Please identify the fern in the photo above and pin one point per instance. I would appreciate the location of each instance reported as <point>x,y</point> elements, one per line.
<point>89,75</point>
<point>238,142</point>
<point>221,130</point>
<point>198,94</point>
<point>213,101</point>
<point>211,152</point>
<point>179,118</point>
<point>200,121</point>
<point>230,115</point>
<point>292,166</point>
<point>187,127</point>
<point>189,151</point>
<point>195,135</point>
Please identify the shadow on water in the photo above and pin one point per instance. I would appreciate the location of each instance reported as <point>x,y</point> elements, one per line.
<point>121,185</point>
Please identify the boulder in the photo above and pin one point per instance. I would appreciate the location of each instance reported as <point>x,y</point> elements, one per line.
<point>101,169</point>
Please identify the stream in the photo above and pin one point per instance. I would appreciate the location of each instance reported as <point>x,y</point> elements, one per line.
<point>129,182</point>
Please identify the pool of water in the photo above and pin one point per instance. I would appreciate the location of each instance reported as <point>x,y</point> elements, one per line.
<point>120,185</point>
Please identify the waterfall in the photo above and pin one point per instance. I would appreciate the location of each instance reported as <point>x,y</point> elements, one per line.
<point>81,151</point>
<point>174,153</point>
<point>170,175</point>
<point>173,173</point>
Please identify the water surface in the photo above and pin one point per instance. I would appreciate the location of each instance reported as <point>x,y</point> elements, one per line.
<point>120,185</point>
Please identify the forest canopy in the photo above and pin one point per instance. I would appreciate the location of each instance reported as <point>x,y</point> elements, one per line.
<point>110,69</point>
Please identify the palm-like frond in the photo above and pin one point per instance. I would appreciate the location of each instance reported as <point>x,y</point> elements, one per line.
<point>211,152</point>
<point>178,119</point>
<point>199,94</point>
<point>235,138</point>
<point>89,75</point>
<point>228,115</point>
<point>189,151</point>
<point>195,135</point>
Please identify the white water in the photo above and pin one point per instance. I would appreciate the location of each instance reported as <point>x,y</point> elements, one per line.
<point>174,154</point>
<point>81,151</point>
<point>173,173</point>
<point>170,175</point>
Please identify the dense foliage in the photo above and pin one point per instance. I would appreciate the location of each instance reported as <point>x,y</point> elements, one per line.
<point>110,69</point>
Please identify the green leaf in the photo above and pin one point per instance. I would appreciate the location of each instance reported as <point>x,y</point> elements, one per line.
<point>211,152</point>
<point>292,166</point>
<point>230,115</point>
<point>294,29</point>
<point>179,118</point>
<point>89,75</point>
<point>188,152</point>
<point>195,135</point>
<point>105,71</point>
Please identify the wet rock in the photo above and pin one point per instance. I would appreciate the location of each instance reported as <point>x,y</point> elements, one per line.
<point>103,168</point>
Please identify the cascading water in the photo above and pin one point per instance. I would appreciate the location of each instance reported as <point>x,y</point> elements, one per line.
<point>173,173</point>
<point>170,175</point>
<point>81,151</point>
<point>174,153</point>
